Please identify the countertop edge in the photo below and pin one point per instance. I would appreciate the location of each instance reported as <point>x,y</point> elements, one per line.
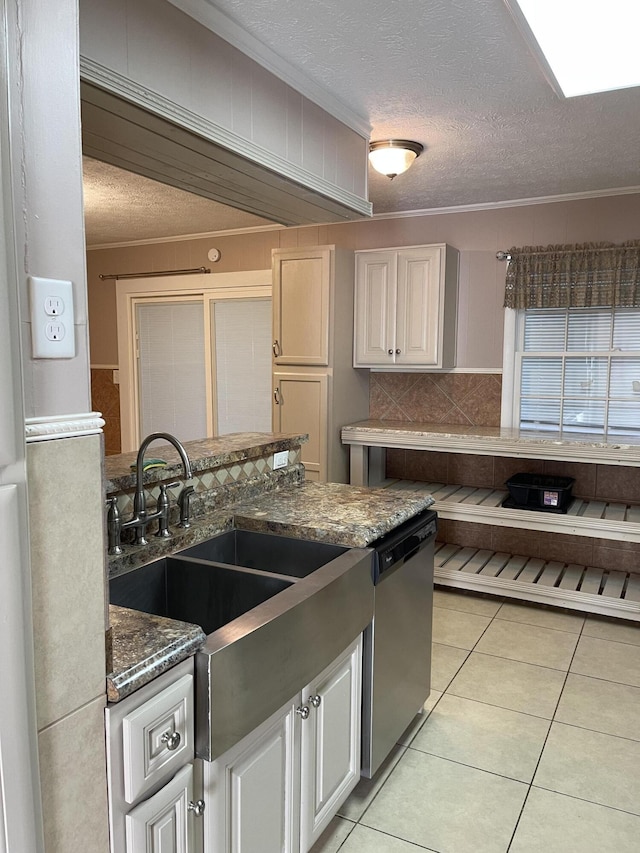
<point>171,643</point>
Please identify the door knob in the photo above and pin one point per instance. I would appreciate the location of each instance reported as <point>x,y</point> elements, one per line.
<point>315,700</point>
<point>303,711</point>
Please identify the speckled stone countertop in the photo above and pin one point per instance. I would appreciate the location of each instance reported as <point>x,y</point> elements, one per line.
<point>330,512</point>
<point>498,441</point>
<point>203,454</point>
<point>144,647</point>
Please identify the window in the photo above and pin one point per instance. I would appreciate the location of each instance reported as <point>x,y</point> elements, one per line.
<point>578,370</point>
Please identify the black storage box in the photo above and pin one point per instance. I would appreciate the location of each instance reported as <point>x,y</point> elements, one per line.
<point>541,492</point>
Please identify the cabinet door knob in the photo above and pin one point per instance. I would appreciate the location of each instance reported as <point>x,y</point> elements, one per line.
<point>197,808</point>
<point>276,348</point>
<point>390,351</point>
<point>303,711</point>
<point>276,396</point>
<point>315,700</point>
<point>398,352</point>
<point>171,739</point>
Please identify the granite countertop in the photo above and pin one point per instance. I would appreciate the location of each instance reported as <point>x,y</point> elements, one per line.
<point>494,440</point>
<point>203,454</point>
<point>144,647</point>
<point>330,512</point>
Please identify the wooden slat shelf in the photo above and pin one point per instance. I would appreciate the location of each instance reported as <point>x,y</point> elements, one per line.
<point>600,519</point>
<point>529,578</point>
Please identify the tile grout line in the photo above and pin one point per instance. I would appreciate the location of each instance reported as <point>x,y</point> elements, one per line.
<point>531,785</point>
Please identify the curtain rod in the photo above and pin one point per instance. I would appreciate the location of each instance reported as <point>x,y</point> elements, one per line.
<point>506,256</point>
<point>153,274</point>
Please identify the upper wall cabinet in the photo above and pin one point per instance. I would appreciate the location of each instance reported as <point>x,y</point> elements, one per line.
<point>301,294</point>
<point>405,308</point>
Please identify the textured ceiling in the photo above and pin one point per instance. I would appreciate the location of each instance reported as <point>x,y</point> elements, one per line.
<point>120,206</point>
<point>454,75</point>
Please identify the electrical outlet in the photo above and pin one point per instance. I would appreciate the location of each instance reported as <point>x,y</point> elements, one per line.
<point>280,459</point>
<point>52,329</point>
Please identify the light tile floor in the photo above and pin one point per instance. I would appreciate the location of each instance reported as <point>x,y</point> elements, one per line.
<point>530,740</point>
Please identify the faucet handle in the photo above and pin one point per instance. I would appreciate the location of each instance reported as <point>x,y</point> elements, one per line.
<point>114,527</point>
<point>162,510</point>
<point>184,499</point>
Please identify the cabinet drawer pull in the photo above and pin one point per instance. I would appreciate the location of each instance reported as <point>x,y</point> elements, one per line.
<point>197,808</point>
<point>276,348</point>
<point>171,739</point>
<point>303,711</point>
<point>315,700</point>
<point>276,396</point>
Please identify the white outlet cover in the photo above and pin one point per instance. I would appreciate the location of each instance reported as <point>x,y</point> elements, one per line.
<point>280,459</point>
<point>52,321</point>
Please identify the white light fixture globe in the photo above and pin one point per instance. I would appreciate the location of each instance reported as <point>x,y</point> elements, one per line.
<point>392,157</point>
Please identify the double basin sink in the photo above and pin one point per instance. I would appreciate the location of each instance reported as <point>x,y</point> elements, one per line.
<point>276,611</point>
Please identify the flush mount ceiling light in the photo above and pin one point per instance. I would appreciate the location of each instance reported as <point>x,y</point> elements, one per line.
<point>582,48</point>
<point>392,157</point>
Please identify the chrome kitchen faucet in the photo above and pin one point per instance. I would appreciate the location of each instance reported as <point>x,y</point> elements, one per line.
<point>141,518</point>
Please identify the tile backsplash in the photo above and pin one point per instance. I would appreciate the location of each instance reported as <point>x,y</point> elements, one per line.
<point>468,399</point>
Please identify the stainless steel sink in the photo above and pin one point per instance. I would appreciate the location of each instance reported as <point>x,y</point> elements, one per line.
<point>207,595</point>
<point>266,552</point>
<point>276,611</point>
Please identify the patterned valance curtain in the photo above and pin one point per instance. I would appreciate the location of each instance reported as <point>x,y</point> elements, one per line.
<point>579,276</point>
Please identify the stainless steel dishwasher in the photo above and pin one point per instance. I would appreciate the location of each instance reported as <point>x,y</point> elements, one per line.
<point>397,644</point>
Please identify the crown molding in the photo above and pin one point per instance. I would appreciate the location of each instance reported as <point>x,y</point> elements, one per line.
<point>213,19</point>
<point>63,426</point>
<point>516,202</point>
<point>400,214</point>
<point>179,238</point>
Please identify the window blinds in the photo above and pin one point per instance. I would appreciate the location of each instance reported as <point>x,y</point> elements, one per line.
<point>242,331</point>
<point>171,374</point>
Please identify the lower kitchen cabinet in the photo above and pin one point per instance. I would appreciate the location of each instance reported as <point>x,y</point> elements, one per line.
<point>164,822</point>
<point>330,766</point>
<point>278,788</point>
<point>150,752</point>
<point>300,406</point>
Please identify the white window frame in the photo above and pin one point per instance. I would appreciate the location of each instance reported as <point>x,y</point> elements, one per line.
<point>233,285</point>
<point>511,373</point>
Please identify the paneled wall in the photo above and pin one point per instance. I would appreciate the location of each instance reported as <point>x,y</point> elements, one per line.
<point>176,67</point>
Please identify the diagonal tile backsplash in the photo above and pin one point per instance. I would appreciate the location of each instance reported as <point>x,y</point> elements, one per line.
<point>469,399</point>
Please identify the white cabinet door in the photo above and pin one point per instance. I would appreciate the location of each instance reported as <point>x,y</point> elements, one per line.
<point>405,307</point>
<point>330,743</point>
<point>164,823</point>
<point>301,306</point>
<point>375,308</point>
<point>418,307</point>
<point>300,406</point>
<point>252,791</point>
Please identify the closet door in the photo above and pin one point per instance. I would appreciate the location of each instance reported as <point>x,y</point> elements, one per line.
<point>172,394</point>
